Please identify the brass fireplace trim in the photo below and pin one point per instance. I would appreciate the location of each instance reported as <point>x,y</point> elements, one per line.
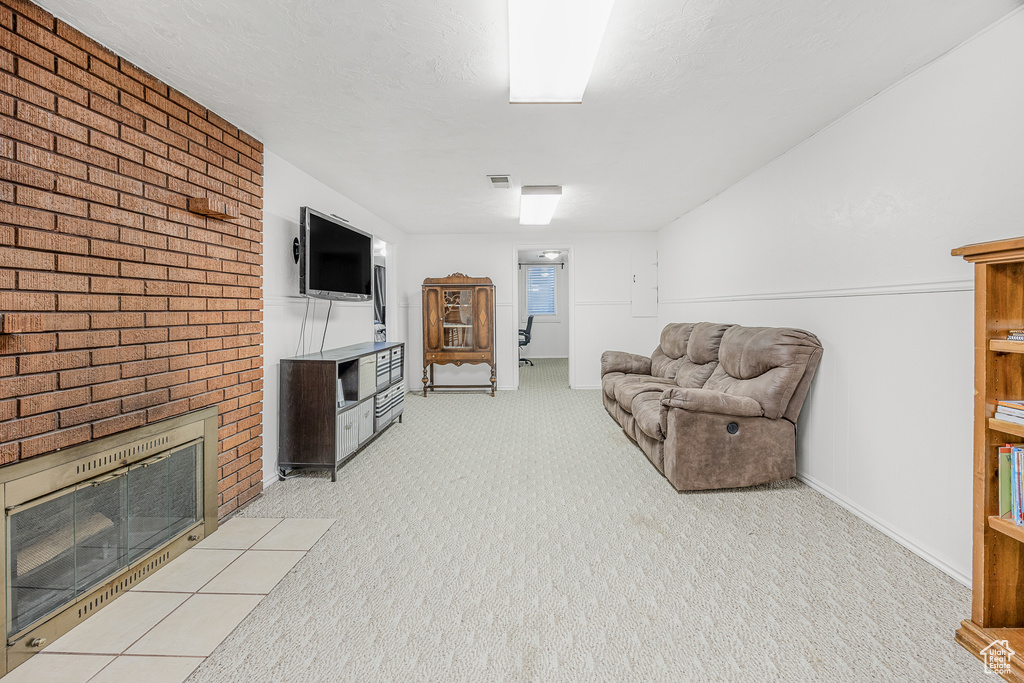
<point>18,486</point>
<point>22,648</point>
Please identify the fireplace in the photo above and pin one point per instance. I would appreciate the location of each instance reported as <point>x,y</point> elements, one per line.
<point>86,524</point>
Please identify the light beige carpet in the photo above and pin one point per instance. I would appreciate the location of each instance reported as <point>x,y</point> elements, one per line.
<point>525,538</point>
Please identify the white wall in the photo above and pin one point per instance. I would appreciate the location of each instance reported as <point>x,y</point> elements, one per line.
<point>848,235</point>
<point>549,336</point>
<point>600,281</point>
<point>286,188</point>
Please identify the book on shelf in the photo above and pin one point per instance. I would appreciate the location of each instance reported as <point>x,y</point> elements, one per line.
<point>1011,404</point>
<point>1017,511</point>
<point>1007,410</point>
<point>1007,415</point>
<point>1011,482</point>
<point>1005,473</point>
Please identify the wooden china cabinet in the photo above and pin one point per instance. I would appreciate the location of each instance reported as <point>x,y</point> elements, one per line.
<point>458,326</point>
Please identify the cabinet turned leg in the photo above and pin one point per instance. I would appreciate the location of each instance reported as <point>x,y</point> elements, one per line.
<point>494,380</point>
<point>424,381</point>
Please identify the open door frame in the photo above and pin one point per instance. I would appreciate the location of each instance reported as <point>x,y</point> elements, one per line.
<point>570,266</point>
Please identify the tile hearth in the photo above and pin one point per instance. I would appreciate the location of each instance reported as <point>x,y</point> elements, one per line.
<point>164,628</point>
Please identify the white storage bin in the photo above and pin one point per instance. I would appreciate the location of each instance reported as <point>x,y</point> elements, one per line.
<point>348,433</point>
<point>365,410</point>
<point>397,400</point>
<point>397,363</point>
<point>367,367</point>
<point>383,369</point>
<point>382,410</point>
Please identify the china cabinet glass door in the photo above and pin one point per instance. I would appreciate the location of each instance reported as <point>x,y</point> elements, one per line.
<point>457,321</point>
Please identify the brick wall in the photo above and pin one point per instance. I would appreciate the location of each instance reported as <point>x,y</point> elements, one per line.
<point>121,308</point>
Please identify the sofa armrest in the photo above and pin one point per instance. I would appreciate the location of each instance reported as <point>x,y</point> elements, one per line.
<point>708,401</point>
<point>629,363</point>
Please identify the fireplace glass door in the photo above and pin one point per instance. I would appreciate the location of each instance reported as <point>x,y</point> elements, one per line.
<point>162,499</point>
<point>64,544</point>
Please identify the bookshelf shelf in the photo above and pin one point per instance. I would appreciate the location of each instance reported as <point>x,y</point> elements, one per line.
<point>1006,427</point>
<point>1005,346</point>
<point>997,594</point>
<point>1006,526</point>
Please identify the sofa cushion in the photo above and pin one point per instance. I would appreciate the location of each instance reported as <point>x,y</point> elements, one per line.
<point>690,375</point>
<point>624,419</point>
<point>674,339</point>
<point>764,363</point>
<point>648,413</point>
<point>609,381</point>
<point>701,359</point>
<point>653,448</point>
<point>612,380</point>
<point>627,388</point>
<point>663,365</point>
<point>704,342</point>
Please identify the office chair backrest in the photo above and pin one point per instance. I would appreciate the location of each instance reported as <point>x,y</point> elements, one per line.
<point>524,335</point>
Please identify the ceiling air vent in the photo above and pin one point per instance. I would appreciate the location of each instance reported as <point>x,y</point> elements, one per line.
<point>500,182</point>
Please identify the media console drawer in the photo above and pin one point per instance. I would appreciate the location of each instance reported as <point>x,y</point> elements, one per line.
<point>457,357</point>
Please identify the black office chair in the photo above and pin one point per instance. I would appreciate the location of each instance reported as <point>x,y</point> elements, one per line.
<point>524,339</point>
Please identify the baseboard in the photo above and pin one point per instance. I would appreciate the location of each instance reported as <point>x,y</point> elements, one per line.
<point>928,557</point>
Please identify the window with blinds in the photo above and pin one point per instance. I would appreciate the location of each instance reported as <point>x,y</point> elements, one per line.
<point>540,290</point>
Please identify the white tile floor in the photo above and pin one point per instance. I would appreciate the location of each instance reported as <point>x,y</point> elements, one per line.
<point>163,628</point>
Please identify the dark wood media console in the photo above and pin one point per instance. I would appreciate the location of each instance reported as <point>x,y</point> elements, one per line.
<point>335,402</point>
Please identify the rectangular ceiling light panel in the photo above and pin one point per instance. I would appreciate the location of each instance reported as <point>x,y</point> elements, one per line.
<point>538,202</point>
<point>552,48</point>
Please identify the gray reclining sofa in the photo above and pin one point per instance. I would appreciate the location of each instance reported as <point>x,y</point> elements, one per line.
<point>715,406</point>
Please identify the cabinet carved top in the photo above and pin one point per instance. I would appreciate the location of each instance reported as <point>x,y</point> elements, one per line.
<point>1007,250</point>
<point>457,279</point>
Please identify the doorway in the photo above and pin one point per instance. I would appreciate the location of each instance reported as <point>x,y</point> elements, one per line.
<point>543,277</point>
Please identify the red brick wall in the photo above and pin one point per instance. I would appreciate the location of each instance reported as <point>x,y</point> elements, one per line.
<point>120,307</point>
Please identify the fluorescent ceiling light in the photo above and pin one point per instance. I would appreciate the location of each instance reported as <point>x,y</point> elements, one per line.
<point>538,203</point>
<point>552,47</point>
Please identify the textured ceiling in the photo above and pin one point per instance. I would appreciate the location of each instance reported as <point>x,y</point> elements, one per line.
<point>402,105</point>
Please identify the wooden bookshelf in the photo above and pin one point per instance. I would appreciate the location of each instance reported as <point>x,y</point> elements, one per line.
<point>1004,427</point>
<point>1006,346</point>
<point>1006,526</point>
<point>997,594</point>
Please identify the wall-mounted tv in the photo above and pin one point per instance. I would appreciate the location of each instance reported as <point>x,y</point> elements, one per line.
<point>335,259</point>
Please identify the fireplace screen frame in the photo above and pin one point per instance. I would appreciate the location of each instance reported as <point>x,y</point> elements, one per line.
<point>26,484</point>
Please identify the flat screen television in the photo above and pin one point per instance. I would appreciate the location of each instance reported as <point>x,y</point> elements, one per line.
<point>335,259</point>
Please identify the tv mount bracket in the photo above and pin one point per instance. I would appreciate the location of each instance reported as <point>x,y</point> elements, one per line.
<point>295,249</point>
